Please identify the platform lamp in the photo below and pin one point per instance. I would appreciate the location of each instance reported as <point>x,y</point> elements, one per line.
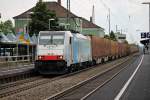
<point>148,3</point>
<point>28,21</point>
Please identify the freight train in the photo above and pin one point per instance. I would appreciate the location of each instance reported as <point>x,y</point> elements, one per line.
<point>59,52</point>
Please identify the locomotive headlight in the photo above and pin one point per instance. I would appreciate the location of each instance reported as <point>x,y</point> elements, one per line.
<point>40,57</point>
<point>60,57</point>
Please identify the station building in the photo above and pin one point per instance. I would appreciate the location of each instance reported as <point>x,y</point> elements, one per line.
<point>75,22</point>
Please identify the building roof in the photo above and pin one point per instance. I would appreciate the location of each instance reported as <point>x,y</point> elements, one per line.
<point>88,24</point>
<point>60,12</point>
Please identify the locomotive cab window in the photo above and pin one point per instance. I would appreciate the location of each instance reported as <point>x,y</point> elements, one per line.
<point>51,39</point>
<point>58,39</point>
<point>45,40</point>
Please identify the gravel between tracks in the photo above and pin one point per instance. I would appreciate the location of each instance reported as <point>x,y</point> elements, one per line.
<point>43,91</point>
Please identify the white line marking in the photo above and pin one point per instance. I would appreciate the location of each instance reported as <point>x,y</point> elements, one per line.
<point>128,82</point>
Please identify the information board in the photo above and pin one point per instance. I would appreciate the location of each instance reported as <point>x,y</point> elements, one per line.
<point>145,35</point>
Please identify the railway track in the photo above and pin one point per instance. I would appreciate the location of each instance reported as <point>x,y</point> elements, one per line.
<point>85,88</point>
<point>12,88</point>
<point>7,91</point>
<point>21,82</point>
<point>24,85</point>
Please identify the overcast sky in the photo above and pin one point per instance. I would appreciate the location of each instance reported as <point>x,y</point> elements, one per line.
<point>129,15</point>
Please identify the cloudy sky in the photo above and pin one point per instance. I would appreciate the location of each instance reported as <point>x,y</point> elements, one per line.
<point>129,15</point>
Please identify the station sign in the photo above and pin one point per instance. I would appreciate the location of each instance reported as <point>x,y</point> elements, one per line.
<point>145,35</point>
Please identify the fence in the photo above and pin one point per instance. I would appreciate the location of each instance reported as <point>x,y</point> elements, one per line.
<point>11,59</point>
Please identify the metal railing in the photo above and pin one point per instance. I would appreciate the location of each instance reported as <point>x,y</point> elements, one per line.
<point>11,59</point>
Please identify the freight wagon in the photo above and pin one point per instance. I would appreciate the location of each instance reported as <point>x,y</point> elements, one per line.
<point>100,49</point>
<point>133,48</point>
<point>114,49</point>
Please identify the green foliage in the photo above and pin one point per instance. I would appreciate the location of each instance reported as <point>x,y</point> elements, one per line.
<point>0,38</point>
<point>107,37</point>
<point>7,27</point>
<point>40,19</point>
<point>112,36</point>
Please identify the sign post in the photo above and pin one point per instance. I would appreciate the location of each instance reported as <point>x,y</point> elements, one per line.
<point>145,36</point>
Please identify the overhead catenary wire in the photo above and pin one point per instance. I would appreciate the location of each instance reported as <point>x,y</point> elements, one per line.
<point>109,20</point>
<point>113,16</point>
<point>121,22</point>
<point>129,25</point>
<point>108,8</point>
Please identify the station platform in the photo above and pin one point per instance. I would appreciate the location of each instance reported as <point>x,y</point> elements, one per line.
<point>139,89</point>
<point>16,71</point>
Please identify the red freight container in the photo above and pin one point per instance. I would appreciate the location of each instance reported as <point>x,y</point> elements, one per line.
<point>108,46</point>
<point>100,47</point>
<point>133,48</point>
<point>114,48</point>
<point>120,49</point>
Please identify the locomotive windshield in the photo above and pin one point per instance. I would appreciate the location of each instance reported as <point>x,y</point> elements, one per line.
<point>58,39</point>
<point>51,39</point>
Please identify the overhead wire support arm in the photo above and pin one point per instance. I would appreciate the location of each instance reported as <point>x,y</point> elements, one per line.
<point>109,20</point>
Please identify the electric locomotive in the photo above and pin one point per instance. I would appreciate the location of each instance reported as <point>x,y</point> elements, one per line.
<point>59,52</point>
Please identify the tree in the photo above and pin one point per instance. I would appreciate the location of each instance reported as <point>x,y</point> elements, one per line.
<point>112,36</point>
<point>40,19</point>
<point>107,37</point>
<point>7,27</point>
<point>0,38</point>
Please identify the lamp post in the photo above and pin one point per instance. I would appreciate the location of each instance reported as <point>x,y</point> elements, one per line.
<point>149,12</point>
<point>50,23</point>
<point>27,32</point>
<point>28,20</point>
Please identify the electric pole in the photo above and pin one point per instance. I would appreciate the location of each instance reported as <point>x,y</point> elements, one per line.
<point>68,11</point>
<point>109,20</point>
<point>116,28</point>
